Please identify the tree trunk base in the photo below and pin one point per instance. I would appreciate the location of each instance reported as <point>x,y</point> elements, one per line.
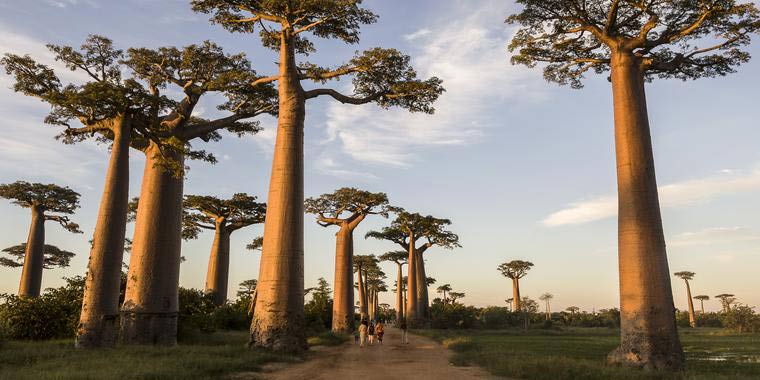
<point>97,334</point>
<point>280,337</point>
<point>140,328</point>
<point>343,325</point>
<point>647,354</point>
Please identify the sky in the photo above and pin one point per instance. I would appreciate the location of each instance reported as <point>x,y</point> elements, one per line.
<point>525,169</point>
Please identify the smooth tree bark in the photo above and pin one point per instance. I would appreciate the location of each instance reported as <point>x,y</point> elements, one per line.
<point>636,42</point>
<point>687,276</point>
<point>516,306</point>
<point>330,209</point>
<point>400,259</point>
<point>515,270</point>
<point>383,76</point>
<point>31,275</point>
<point>218,273</point>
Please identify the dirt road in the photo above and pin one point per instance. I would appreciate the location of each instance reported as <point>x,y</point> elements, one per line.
<point>421,359</point>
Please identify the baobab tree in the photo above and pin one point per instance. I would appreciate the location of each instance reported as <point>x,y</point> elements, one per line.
<point>375,286</point>
<point>223,216</point>
<point>362,264</point>
<point>572,309</point>
<point>702,298</point>
<point>46,202</point>
<point>726,300</point>
<point>455,296</point>
<point>547,298</point>
<point>406,230</point>
<point>381,76</point>
<point>399,258</point>
<point>345,208</point>
<point>686,276</point>
<point>636,41</point>
<point>149,312</point>
<point>515,270</point>
<point>111,109</point>
<point>443,289</point>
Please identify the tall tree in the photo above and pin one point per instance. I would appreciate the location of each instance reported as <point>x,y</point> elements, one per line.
<point>636,41</point>
<point>361,264</point>
<point>515,270</point>
<point>149,312</point>
<point>687,276</point>
<point>382,76</point>
<point>547,298</point>
<point>406,230</point>
<point>46,202</point>
<point>444,289</point>
<point>399,258</point>
<point>345,208</point>
<point>726,299</point>
<point>223,216</point>
<point>54,257</point>
<point>702,298</point>
<point>111,110</point>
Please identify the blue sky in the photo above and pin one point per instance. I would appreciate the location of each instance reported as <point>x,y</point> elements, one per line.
<point>523,168</point>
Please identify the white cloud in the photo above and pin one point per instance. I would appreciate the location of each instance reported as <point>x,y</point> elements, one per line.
<point>70,3</point>
<point>469,54</point>
<point>714,235</point>
<point>678,194</point>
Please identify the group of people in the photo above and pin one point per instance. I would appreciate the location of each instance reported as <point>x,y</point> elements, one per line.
<point>369,331</point>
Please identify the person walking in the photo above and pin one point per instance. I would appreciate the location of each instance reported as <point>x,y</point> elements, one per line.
<point>363,333</point>
<point>371,333</point>
<point>380,331</point>
<point>404,332</point>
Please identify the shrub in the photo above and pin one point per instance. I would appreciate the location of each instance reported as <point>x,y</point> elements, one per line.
<point>742,318</point>
<point>453,316</point>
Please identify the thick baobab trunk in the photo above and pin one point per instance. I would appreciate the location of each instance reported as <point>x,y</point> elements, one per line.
<point>362,295</point>
<point>371,305</point>
<point>516,301</point>
<point>343,295</point>
<point>412,310</point>
<point>423,305</point>
<point>399,295</point>
<point>217,277</point>
<point>98,323</point>
<point>279,322</point>
<point>149,312</point>
<point>702,306</point>
<point>692,317</point>
<point>34,257</point>
<point>649,338</point>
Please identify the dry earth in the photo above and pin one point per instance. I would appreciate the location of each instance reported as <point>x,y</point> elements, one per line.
<point>421,359</point>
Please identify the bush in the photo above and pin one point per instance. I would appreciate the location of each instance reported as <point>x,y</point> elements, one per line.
<point>742,318</point>
<point>453,316</point>
<point>493,317</point>
<point>55,314</point>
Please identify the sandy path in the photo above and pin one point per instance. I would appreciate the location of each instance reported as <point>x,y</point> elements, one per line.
<point>421,359</point>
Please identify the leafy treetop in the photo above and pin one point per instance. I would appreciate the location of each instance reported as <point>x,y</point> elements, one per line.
<point>702,297</point>
<point>685,275</point>
<point>364,262</point>
<point>684,39</point>
<point>208,212</point>
<point>398,257</point>
<point>45,198</point>
<point>54,257</point>
<point>383,76</point>
<point>546,297</point>
<point>356,203</point>
<point>413,226</point>
<point>515,269</point>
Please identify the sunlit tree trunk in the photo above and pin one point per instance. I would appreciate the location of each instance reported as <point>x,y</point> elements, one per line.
<point>34,257</point>
<point>422,291</point>
<point>412,310</point>
<point>217,277</point>
<point>363,310</point>
<point>516,301</point>
<point>100,305</point>
<point>278,321</point>
<point>343,304</point>
<point>399,295</point>
<point>692,317</point>
<point>649,337</point>
<point>149,312</point>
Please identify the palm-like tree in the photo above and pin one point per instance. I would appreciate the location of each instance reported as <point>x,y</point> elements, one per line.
<point>547,298</point>
<point>454,296</point>
<point>726,299</point>
<point>444,289</point>
<point>702,298</point>
<point>688,276</point>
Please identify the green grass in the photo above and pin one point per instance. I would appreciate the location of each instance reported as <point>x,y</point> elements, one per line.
<point>580,354</point>
<point>327,338</point>
<point>202,356</point>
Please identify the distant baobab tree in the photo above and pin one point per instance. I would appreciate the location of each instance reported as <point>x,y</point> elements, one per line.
<point>443,289</point>
<point>547,298</point>
<point>572,309</point>
<point>345,208</point>
<point>726,300</point>
<point>362,264</point>
<point>399,258</point>
<point>515,270</point>
<point>636,41</point>
<point>381,76</point>
<point>46,202</point>
<point>456,296</point>
<point>406,230</point>
<point>687,276</point>
<point>223,216</point>
<point>112,110</point>
<point>702,298</point>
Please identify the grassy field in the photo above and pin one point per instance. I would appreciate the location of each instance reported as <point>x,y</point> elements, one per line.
<point>579,354</point>
<point>203,356</point>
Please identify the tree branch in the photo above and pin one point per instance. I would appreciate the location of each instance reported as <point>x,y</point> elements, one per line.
<point>345,99</point>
